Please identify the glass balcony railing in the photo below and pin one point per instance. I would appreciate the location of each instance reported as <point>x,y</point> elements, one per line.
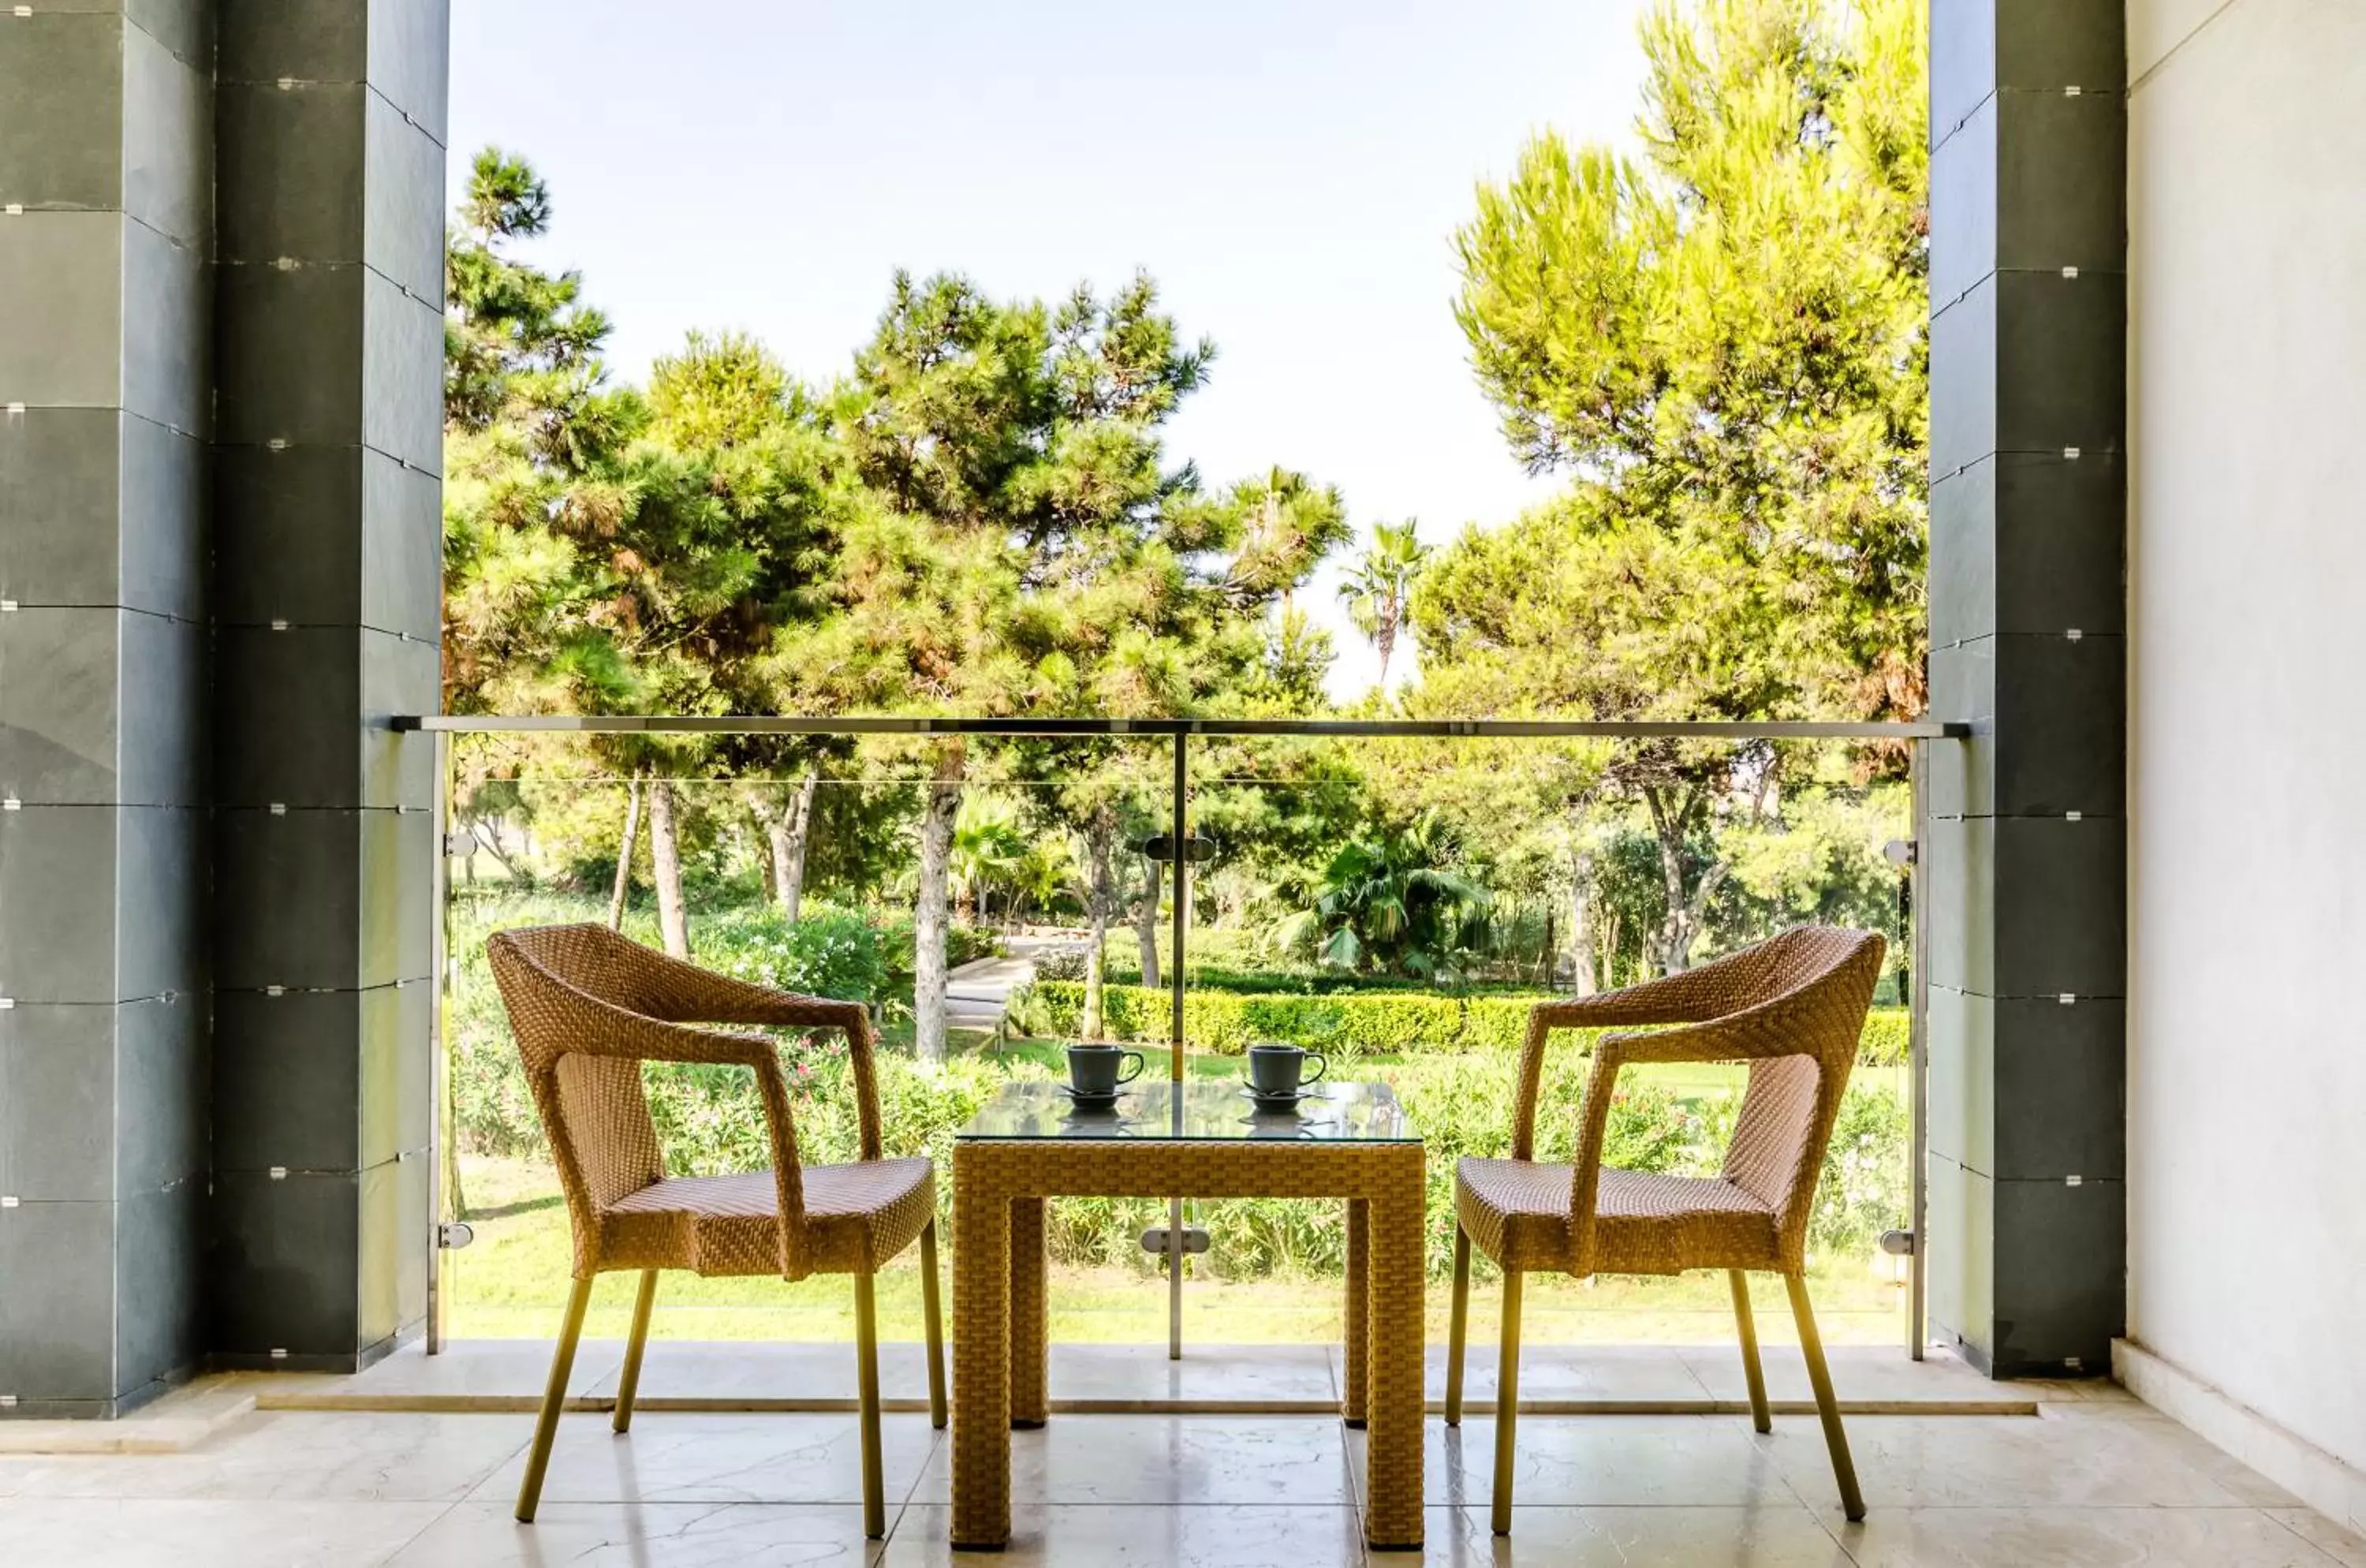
<point>1394,896</point>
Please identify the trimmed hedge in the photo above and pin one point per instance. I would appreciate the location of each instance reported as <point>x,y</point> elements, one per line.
<point>1375,1023</point>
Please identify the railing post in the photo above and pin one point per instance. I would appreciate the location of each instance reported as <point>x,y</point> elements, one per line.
<point>1917,1052</point>
<point>1180,859</point>
<point>440,1086</point>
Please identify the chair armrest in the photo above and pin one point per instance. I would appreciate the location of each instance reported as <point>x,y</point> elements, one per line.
<point>1695,995</point>
<point>628,1036</point>
<point>683,993</point>
<point>1724,1039</point>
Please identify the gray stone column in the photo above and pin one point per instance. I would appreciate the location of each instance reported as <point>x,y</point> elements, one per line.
<point>105,219</point>
<point>330,410</point>
<point>2027,853</point>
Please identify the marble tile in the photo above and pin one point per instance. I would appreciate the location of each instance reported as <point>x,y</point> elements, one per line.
<point>1243,1377</point>
<point>296,1455</point>
<point>2345,1547</point>
<point>1951,1462</point>
<point>1589,1374</point>
<point>671,1458</point>
<point>1778,1534</point>
<point>1197,1537</point>
<point>1877,1377</point>
<point>471,1374</point>
<point>2070,1391</point>
<point>1267,1461</point>
<point>181,1419</point>
<point>2076,1537</point>
<point>649,1535</point>
<point>2180,1442</point>
<point>1601,1460</point>
<point>765,1376</point>
<point>207,1533</point>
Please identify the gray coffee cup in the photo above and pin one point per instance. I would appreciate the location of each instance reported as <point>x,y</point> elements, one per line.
<point>1097,1070</point>
<point>1275,1070</point>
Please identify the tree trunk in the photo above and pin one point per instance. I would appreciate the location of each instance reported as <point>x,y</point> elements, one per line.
<point>1673,952</point>
<point>625,856</point>
<point>1100,834</point>
<point>1146,926</point>
<point>1581,923</point>
<point>929,911</point>
<point>787,834</point>
<point>665,869</point>
<point>1681,927</point>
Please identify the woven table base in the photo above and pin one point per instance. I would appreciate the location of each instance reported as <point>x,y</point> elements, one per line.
<point>1001,1349</point>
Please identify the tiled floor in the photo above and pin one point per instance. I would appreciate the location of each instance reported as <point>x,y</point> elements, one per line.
<point>507,1374</point>
<point>2092,1478</point>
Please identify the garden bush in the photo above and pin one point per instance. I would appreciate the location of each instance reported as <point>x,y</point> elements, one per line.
<point>1377,1024</point>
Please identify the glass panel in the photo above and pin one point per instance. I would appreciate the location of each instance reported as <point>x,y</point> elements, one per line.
<point>1398,904</point>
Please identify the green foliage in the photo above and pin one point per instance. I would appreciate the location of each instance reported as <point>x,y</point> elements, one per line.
<point>1727,341</point>
<point>1391,903</point>
<point>1868,1182</point>
<point>1377,1022</point>
<point>825,953</point>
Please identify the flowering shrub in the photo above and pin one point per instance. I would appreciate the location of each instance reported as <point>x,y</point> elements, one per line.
<point>829,953</point>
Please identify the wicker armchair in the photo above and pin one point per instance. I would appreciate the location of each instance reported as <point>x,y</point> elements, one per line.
<point>589,1007</point>
<point>1794,1008</point>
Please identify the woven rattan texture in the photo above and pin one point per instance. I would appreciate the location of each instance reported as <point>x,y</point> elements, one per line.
<point>588,1008</point>
<point>1794,1008</point>
<point>996,1181</point>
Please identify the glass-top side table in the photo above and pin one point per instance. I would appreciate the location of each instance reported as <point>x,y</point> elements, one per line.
<point>1329,1112</point>
<point>1346,1141</point>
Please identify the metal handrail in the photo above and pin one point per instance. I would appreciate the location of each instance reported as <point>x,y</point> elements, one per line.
<point>1443,728</point>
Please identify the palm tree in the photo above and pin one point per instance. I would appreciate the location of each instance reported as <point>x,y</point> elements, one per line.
<point>986,847</point>
<point>1379,582</point>
<point>1390,904</point>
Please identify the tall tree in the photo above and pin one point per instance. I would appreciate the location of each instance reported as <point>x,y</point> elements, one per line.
<point>606,551</point>
<point>1018,543</point>
<point>1723,344</point>
<point>1379,584</point>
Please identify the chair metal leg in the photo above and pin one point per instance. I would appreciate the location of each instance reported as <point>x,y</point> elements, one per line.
<point>1820,1378</point>
<point>1759,1416</point>
<point>933,1305</point>
<point>866,1374</point>
<point>554,1398</point>
<point>1458,1326</point>
<point>1507,1402</point>
<point>629,1383</point>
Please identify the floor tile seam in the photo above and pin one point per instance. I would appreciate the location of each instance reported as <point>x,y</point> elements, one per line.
<point>2288,1529</point>
<point>415,1538</point>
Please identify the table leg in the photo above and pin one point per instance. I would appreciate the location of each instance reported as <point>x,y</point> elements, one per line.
<point>1393,1415</point>
<point>980,1416</point>
<point>1360,1314</point>
<point>1031,1314</point>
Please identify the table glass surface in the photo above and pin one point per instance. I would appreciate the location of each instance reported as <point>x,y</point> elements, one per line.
<point>1330,1113</point>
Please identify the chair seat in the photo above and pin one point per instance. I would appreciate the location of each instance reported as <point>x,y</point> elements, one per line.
<point>1518,1213</point>
<point>857,1217</point>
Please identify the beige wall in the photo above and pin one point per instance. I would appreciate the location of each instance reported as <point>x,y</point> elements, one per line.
<point>2246,342</point>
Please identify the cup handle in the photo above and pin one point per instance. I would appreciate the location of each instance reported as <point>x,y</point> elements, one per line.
<point>1321,1067</point>
<point>1125,1077</point>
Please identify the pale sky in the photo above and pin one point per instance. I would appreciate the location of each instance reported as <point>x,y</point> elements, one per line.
<point>1291,173</point>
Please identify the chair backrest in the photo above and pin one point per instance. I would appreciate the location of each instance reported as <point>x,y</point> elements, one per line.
<point>559,984</point>
<point>1807,989</point>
